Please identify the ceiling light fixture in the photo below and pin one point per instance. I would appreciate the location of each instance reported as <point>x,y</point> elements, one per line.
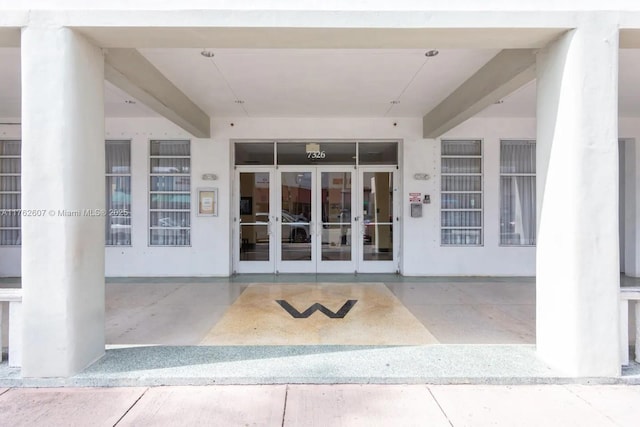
<point>431,53</point>
<point>207,54</point>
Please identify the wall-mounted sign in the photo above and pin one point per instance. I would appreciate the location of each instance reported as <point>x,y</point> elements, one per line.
<point>415,197</point>
<point>313,151</point>
<point>207,202</point>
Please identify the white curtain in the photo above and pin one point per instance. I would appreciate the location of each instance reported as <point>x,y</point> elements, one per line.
<point>118,193</point>
<point>10,191</point>
<point>518,193</point>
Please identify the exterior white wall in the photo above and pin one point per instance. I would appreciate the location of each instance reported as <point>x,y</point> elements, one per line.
<point>420,252</point>
<point>207,255</point>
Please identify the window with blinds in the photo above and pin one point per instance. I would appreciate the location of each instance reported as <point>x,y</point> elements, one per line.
<point>118,193</point>
<point>461,193</point>
<point>170,193</point>
<point>518,193</point>
<point>10,190</point>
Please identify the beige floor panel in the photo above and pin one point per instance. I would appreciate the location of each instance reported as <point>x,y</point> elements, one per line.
<point>377,318</point>
<point>358,405</point>
<point>621,403</point>
<point>66,407</point>
<point>522,406</point>
<point>209,406</point>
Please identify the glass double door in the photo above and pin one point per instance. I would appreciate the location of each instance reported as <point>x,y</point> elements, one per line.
<point>315,220</point>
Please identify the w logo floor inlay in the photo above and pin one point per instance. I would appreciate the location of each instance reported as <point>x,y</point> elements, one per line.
<point>270,314</point>
<point>318,307</point>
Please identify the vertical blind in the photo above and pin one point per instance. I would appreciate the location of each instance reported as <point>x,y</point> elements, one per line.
<point>118,193</point>
<point>461,193</point>
<point>517,193</point>
<point>10,190</point>
<point>170,193</point>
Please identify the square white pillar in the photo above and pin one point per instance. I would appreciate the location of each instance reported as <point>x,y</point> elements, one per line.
<point>577,254</point>
<point>63,164</point>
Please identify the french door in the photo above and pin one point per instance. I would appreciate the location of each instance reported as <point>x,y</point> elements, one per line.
<point>254,221</point>
<point>378,220</point>
<point>316,219</point>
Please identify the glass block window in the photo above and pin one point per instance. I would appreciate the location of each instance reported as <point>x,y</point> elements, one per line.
<point>461,193</point>
<point>518,193</point>
<point>10,191</point>
<point>170,193</point>
<point>118,193</point>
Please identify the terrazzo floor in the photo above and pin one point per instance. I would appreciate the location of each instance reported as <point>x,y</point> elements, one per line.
<point>450,310</point>
<point>318,313</point>
<point>483,332</point>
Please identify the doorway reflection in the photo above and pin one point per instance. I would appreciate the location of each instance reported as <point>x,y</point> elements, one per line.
<point>377,220</point>
<point>296,216</point>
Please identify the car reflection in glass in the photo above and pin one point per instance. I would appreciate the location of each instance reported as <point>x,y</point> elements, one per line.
<point>296,229</point>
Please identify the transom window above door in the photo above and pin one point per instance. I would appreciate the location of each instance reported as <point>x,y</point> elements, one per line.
<point>321,153</point>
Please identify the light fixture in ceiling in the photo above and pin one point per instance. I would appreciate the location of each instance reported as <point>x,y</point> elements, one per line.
<point>431,53</point>
<point>207,53</point>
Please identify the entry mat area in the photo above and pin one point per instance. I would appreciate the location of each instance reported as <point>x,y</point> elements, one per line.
<point>318,314</point>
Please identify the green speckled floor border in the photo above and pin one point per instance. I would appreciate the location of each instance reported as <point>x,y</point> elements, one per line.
<point>430,364</point>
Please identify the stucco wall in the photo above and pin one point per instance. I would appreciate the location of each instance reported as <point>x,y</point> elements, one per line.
<point>209,255</point>
<point>420,252</point>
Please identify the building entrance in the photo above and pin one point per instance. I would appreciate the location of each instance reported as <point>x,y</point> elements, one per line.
<point>314,218</point>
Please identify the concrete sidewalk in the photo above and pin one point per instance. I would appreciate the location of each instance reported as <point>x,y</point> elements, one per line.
<point>325,405</point>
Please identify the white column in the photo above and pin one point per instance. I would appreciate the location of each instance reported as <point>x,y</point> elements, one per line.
<point>62,170</point>
<point>577,253</point>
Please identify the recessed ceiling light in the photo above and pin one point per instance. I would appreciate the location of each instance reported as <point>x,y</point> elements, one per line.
<point>207,54</point>
<point>129,101</point>
<point>395,102</point>
<point>431,53</point>
<point>239,101</point>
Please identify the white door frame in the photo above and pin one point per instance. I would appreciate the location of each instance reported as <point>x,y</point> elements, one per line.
<point>254,266</point>
<point>299,266</point>
<point>372,266</point>
<point>315,264</point>
<point>336,266</point>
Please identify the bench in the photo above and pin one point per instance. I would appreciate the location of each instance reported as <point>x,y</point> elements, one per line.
<point>627,294</point>
<point>12,299</point>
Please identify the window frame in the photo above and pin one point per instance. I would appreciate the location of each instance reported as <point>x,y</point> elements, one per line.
<point>108,208</point>
<point>500,175</point>
<point>150,192</point>
<point>480,192</point>
<point>19,193</point>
